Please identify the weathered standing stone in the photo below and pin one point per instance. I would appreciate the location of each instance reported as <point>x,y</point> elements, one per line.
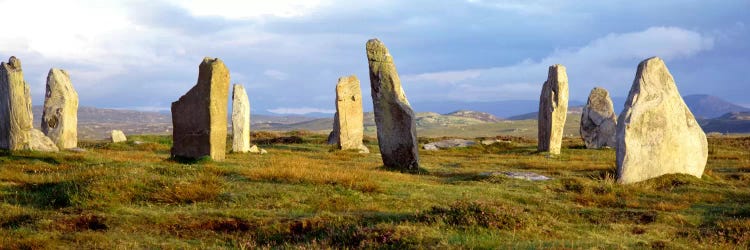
<point>656,132</point>
<point>199,118</point>
<point>553,109</point>
<point>598,120</point>
<point>117,136</point>
<point>348,124</point>
<point>394,118</point>
<point>60,115</point>
<point>240,120</point>
<point>15,107</point>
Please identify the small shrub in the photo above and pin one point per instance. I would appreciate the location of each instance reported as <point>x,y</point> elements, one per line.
<point>468,214</point>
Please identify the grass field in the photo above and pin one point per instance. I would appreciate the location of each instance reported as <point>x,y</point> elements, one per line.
<point>305,194</point>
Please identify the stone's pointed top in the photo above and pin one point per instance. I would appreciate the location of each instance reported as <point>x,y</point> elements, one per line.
<point>556,69</point>
<point>55,71</point>
<point>377,52</point>
<point>210,60</point>
<point>598,91</point>
<point>14,63</point>
<point>348,78</point>
<point>237,86</point>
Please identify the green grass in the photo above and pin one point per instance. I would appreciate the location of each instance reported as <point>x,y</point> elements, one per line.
<point>305,194</point>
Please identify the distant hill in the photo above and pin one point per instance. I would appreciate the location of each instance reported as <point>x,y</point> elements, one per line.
<point>707,106</point>
<point>482,116</point>
<point>734,122</point>
<point>574,110</point>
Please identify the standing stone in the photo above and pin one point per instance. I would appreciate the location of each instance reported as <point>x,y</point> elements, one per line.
<point>656,132</point>
<point>553,110</point>
<point>348,123</point>
<point>117,136</point>
<point>16,129</point>
<point>60,117</point>
<point>394,118</point>
<point>15,108</point>
<point>598,120</point>
<point>240,120</point>
<point>199,118</point>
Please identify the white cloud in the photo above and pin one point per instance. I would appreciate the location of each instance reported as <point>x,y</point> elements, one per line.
<point>300,111</point>
<point>246,9</point>
<point>275,74</point>
<point>609,62</point>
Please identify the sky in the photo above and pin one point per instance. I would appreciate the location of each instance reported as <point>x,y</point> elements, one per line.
<point>289,54</point>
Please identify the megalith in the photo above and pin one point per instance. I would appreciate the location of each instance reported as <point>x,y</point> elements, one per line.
<point>240,120</point>
<point>394,118</point>
<point>60,113</point>
<point>199,118</point>
<point>656,132</point>
<point>598,120</point>
<point>117,136</point>
<point>348,124</point>
<point>553,110</point>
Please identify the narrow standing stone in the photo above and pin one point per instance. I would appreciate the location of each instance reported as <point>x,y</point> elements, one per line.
<point>598,120</point>
<point>656,132</point>
<point>199,117</point>
<point>117,136</point>
<point>240,120</point>
<point>348,123</point>
<point>394,118</point>
<point>553,110</point>
<point>60,117</point>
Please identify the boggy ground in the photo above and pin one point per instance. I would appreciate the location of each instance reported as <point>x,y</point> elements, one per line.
<point>304,194</point>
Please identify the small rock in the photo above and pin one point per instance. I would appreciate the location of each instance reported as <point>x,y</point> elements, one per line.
<point>254,149</point>
<point>117,136</point>
<point>263,151</point>
<point>40,142</point>
<point>452,143</point>
<point>138,142</point>
<point>77,150</point>
<point>529,176</point>
<point>490,142</point>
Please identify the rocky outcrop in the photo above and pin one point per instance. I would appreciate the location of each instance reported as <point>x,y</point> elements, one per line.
<point>117,136</point>
<point>240,120</point>
<point>15,108</point>
<point>553,110</point>
<point>656,132</point>
<point>39,142</point>
<point>60,114</point>
<point>348,122</point>
<point>199,118</point>
<point>598,120</point>
<point>394,118</point>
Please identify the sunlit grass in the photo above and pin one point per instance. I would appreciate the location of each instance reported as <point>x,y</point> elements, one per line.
<point>305,194</point>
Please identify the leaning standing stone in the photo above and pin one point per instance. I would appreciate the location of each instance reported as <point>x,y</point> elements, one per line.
<point>240,120</point>
<point>598,120</point>
<point>553,109</point>
<point>656,132</point>
<point>348,124</point>
<point>60,117</point>
<point>394,118</point>
<point>199,118</point>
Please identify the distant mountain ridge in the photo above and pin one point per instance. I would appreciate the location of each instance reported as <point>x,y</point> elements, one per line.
<point>707,106</point>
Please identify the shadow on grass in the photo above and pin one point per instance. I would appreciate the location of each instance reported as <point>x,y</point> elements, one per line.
<point>52,195</point>
<point>189,160</point>
<point>28,156</point>
<point>419,171</point>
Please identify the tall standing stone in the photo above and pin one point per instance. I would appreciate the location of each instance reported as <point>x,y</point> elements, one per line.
<point>598,120</point>
<point>15,108</point>
<point>199,118</point>
<point>348,123</point>
<point>60,114</point>
<point>16,129</point>
<point>394,118</point>
<point>553,110</point>
<point>240,119</point>
<point>656,132</point>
